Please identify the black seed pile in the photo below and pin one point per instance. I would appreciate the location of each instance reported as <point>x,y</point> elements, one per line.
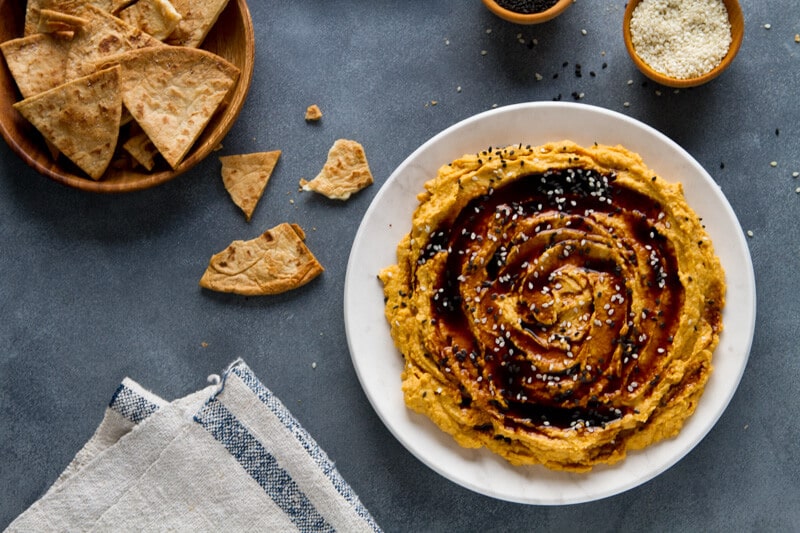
<point>527,7</point>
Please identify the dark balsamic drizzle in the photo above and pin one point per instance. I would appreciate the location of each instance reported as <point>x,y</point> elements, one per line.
<point>541,245</point>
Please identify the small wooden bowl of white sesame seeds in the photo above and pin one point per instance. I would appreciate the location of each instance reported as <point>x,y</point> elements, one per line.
<point>683,44</point>
<point>527,11</point>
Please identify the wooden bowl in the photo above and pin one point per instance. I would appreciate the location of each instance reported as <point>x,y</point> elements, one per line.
<point>533,18</point>
<point>232,37</point>
<point>736,19</point>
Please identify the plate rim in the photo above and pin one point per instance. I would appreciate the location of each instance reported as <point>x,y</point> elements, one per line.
<point>748,292</point>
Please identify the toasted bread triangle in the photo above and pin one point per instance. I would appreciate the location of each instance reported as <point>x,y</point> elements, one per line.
<point>246,175</point>
<point>81,118</point>
<point>101,37</point>
<point>173,92</point>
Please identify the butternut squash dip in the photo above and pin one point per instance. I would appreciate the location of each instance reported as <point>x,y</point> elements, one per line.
<point>558,305</point>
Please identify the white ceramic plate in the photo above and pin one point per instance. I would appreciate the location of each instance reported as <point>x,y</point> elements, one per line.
<point>378,363</point>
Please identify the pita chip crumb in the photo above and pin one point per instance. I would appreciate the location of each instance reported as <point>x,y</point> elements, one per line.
<point>274,262</point>
<point>246,176</point>
<point>345,172</point>
<point>313,113</point>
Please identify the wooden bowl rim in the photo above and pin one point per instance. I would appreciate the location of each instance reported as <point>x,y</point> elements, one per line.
<point>532,18</point>
<point>736,19</point>
<point>195,156</point>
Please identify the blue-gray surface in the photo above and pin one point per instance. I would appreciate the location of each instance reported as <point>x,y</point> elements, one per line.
<point>95,287</point>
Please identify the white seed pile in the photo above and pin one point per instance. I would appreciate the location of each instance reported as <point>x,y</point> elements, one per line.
<point>681,38</point>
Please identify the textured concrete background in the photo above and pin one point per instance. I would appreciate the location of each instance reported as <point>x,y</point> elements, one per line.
<point>94,288</point>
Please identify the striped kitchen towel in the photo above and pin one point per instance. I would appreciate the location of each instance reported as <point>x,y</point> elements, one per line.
<point>229,457</point>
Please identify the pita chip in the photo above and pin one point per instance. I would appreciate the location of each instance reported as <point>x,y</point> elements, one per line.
<point>245,176</point>
<point>32,9</point>
<point>142,150</point>
<point>277,261</point>
<point>74,7</point>
<point>158,18</point>
<point>102,37</point>
<point>55,21</point>
<point>80,118</point>
<point>37,62</point>
<point>197,18</point>
<point>172,93</point>
<point>345,172</point>
<point>68,7</point>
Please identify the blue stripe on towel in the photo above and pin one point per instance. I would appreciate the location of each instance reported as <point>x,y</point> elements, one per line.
<point>261,465</point>
<point>131,404</point>
<point>309,444</point>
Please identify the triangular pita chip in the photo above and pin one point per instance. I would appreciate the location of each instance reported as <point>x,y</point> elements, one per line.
<point>158,18</point>
<point>37,62</point>
<point>274,262</point>
<point>172,93</point>
<point>246,175</point>
<point>313,113</point>
<point>104,36</point>
<point>81,118</point>
<point>345,172</point>
<point>197,19</point>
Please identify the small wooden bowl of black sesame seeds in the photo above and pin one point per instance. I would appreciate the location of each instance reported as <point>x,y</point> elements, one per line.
<point>527,11</point>
<point>685,45</point>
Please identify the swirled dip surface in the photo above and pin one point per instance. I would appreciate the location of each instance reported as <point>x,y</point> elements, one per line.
<point>556,304</point>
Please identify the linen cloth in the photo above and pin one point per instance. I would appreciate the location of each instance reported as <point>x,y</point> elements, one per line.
<point>229,457</point>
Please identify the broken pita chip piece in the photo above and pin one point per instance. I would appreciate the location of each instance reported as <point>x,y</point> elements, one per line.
<point>142,150</point>
<point>277,261</point>
<point>74,7</point>
<point>245,177</point>
<point>37,62</point>
<point>345,172</point>
<point>197,19</point>
<point>55,22</point>
<point>173,92</point>
<point>80,118</point>
<point>157,18</point>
